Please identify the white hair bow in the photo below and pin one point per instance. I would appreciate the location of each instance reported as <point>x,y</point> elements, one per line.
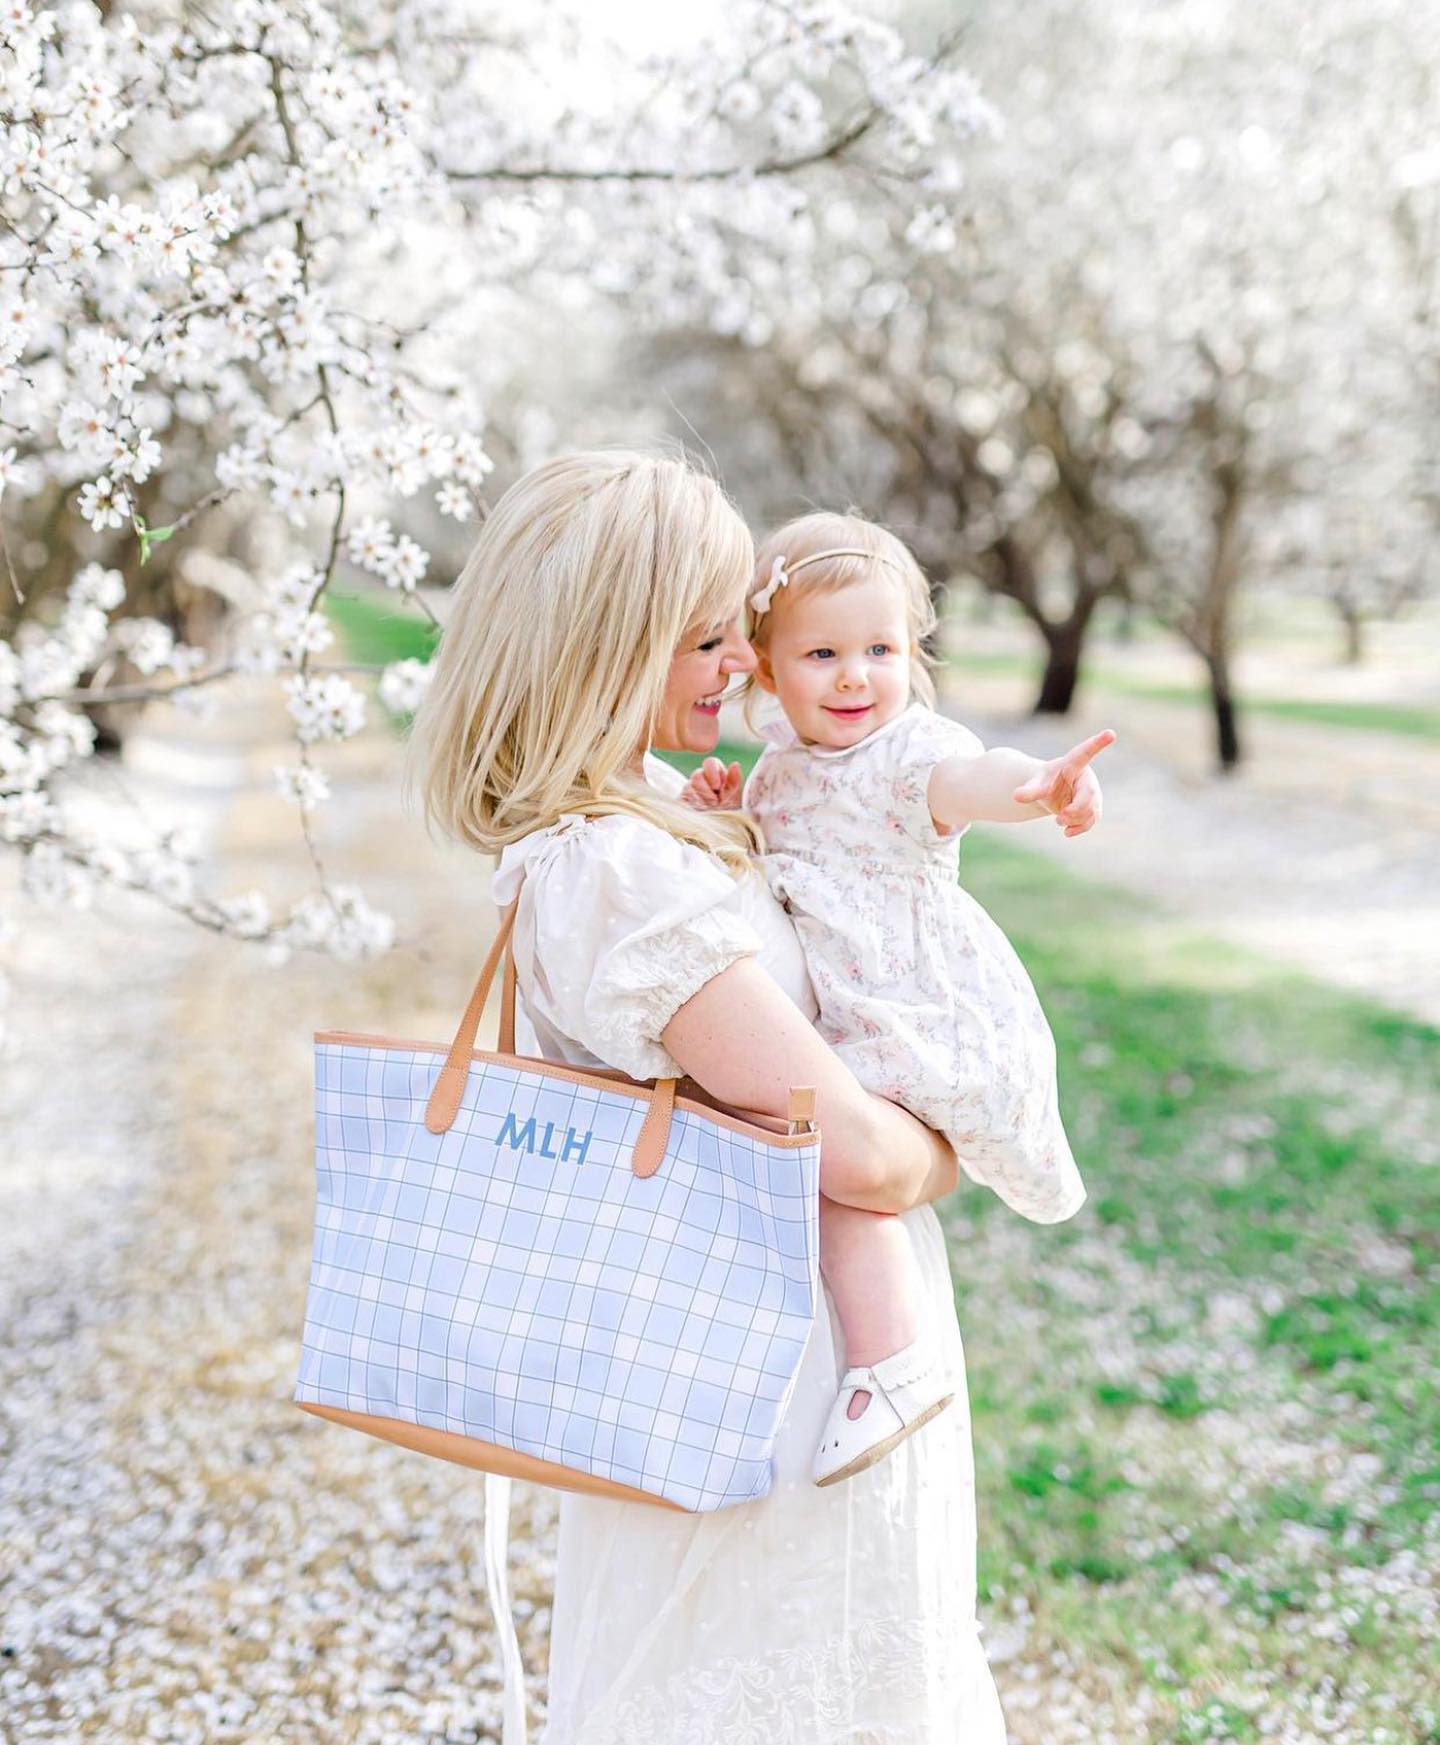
<point>779,577</point>
<point>762,599</point>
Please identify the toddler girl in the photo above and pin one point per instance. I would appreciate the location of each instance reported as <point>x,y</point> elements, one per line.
<point>863,792</point>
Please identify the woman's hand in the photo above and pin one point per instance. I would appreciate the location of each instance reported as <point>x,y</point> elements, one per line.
<point>746,1042</point>
<point>713,787</point>
<point>1068,787</point>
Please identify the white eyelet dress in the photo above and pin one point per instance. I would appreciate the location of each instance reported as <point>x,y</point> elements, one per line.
<point>920,993</point>
<point>810,1617</point>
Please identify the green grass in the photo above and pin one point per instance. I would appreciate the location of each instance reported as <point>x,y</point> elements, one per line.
<point>377,627</point>
<point>1206,1415</point>
<point>1414,720</point>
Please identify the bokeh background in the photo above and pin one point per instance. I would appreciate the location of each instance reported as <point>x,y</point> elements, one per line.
<point>1148,373</point>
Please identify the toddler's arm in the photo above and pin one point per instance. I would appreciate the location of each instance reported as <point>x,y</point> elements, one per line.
<point>1005,786</point>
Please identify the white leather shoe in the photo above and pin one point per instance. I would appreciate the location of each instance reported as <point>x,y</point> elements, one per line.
<point>906,1390</point>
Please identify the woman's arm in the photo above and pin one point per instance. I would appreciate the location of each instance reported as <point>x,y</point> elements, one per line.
<point>747,1042</point>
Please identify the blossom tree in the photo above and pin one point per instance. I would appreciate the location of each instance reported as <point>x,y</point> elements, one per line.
<point>1252,277</point>
<point>1164,341</point>
<point>262,269</point>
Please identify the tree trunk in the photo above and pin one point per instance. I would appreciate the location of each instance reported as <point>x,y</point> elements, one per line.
<point>1211,632</point>
<point>1062,674</point>
<point>1227,721</point>
<point>1354,623</point>
<point>1063,643</point>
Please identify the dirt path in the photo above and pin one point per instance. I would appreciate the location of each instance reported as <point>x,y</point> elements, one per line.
<point>186,1556</point>
<point>1323,852</point>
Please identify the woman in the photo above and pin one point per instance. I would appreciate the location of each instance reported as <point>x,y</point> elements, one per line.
<point>598,617</point>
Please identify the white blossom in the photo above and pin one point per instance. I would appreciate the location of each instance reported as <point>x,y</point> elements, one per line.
<point>931,231</point>
<point>472,465</point>
<point>302,783</point>
<point>101,505</point>
<point>454,500</point>
<point>327,707</point>
<point>168,874</point>
<point>293,497</point>
<point>50,878</point>
<point>403,684</point>
<point>281,266</point>
<point>406,564</point>
<point>119,365</point>
<point>740,100</point>
<point>83,426</point>
<point>147,641</point>
<point>298,632</point>
<point>796,115</point>
<point>248,915</point>
<point>341,922</point>
<point>371,545</point>
<point>241,467</point>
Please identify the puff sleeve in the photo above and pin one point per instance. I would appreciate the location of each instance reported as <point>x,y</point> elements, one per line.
<point>619,924</point>
<point>924,739</point>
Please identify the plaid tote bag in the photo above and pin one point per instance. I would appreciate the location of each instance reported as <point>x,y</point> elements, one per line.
<point>554,1273</point>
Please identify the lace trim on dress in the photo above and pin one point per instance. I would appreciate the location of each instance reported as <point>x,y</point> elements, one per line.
<point>884,1682</point>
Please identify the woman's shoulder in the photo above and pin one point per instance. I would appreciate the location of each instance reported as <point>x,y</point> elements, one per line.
<point>616,858</point>
<point>618,924</point>
<point>663,776</point>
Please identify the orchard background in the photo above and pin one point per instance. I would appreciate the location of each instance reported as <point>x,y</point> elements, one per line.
<point>1125,316</point>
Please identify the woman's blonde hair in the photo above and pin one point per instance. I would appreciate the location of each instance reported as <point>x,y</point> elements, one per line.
<point>827,532</point>
<point>587,576</point>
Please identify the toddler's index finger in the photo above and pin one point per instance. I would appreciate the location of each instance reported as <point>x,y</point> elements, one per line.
<point>1090,748</point>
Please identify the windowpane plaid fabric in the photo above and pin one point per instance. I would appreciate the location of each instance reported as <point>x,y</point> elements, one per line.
<point>513,1281</point>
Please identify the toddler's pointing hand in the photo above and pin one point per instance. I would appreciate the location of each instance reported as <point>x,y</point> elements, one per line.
<point>1068,787</point>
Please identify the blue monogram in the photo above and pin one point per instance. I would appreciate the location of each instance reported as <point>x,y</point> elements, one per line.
<point>516,1136</point>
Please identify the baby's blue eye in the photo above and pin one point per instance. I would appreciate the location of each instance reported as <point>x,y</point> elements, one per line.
<point>879,648</point>
<point>822,651</point>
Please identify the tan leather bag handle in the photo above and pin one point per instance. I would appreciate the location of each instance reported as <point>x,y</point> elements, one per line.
<point>444,1104</point>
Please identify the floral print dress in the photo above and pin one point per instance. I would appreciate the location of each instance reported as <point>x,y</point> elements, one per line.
<point>919,991</point>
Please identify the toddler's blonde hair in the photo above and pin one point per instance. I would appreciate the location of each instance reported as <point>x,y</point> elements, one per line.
<point>824,532</point>
<point>549,677</point>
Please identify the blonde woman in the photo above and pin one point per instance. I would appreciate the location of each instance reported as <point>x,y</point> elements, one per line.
<point>597,618</point>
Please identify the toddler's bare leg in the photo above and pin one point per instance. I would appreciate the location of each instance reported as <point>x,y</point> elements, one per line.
<point>869,1265</point>
<point>895,1380</point>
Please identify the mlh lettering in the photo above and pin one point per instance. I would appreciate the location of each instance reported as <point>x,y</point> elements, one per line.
<point>517,1136</point>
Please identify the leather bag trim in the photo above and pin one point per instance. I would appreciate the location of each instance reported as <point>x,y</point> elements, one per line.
<point>488,1456</point>
<point>598,1078</point>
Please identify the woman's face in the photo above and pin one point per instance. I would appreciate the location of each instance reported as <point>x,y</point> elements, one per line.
<point>699,672</point>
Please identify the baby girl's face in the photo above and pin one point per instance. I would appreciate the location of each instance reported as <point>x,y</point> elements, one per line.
<point>839,663</point>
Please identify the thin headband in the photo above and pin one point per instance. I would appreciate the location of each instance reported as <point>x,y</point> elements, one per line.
<point>780,572</point>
